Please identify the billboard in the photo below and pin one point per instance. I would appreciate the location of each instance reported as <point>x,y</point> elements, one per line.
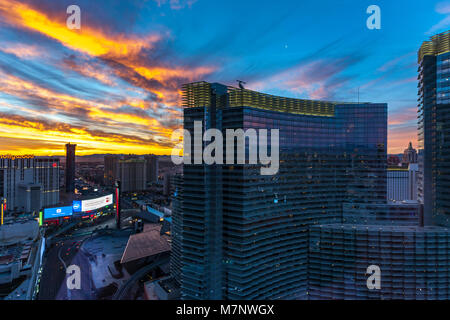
<point>51,213</point>
<point>97,203</point>
<point>76,205</point>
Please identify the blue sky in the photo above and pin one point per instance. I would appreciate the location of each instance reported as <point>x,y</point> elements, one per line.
<point>113,86</point>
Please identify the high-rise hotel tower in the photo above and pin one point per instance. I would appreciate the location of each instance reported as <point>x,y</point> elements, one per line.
<point>243,235</point>
<point>434,129</point>
<point>414,261</point>
<point>70,167</point>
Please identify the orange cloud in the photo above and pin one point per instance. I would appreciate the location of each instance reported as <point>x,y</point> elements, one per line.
<point>86,40</point>
<point>122,56</point>
<point>161,73</point>
<point>106,115</point>
<point>94,42</point>
<point>35,134</point>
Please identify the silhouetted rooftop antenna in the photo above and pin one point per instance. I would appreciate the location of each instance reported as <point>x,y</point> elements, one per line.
<point>241,83</point>
<point>358,95</point>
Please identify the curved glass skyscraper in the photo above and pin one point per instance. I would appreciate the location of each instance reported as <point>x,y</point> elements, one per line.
<point>434,128</point>
<point>243,235</point>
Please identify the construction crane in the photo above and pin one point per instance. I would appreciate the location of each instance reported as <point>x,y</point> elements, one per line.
<point>241,83</point>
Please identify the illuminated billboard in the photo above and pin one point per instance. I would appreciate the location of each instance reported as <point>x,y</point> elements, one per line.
<point>76,205</point>
<point>97,203</point>
<point>51,213</point>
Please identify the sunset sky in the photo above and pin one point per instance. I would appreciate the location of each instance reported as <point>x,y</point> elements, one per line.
<point>113,86</point>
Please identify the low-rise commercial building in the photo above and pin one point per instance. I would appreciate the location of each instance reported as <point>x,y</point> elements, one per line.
<point>21,251</point>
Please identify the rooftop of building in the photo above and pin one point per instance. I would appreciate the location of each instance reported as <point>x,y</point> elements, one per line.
<point>397,169</point>
<point>438,44</point>
<point>410,167</point>
<point>198,94</point>
<point>134,160</point>
<point>20,293</point>
<point>146,244</point>
<point>18,241</point>
<point>168,284</point>
<point>18,230</point>
<point>17,252</point>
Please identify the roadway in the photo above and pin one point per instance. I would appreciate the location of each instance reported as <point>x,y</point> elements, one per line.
<point>126,287</point>
<point>58,256</point>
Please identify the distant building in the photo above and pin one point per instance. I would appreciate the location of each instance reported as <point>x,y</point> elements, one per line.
<point>402,183</point>
<point>393,160</point>
<point>167,182</point>
<point>152,168</point>
<point>92,172</point>
<point>30,198</point>
<point>132,174</point>
<point>111,169</point>
<point>165,163</point>
<point>46,171</point>
<point>130,170</point>
<point>70,167</point>
<point>409,155</point>
<point>30,183</point>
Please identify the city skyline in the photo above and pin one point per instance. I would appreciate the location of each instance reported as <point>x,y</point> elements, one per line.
<point>314,161</point>
<point>114,85</point>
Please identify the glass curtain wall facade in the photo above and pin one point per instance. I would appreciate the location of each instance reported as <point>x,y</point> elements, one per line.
<point>434,128</point>
<point>245,235</point>
<point>413,262</point>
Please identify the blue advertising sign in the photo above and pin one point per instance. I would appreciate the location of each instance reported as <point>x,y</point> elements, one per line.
<point>76,205</point>
<point>51,213</point>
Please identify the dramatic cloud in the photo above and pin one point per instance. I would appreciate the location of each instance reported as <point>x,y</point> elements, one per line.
<point>146,105</point>
<point>88,40</point>
<point>114,85</point>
